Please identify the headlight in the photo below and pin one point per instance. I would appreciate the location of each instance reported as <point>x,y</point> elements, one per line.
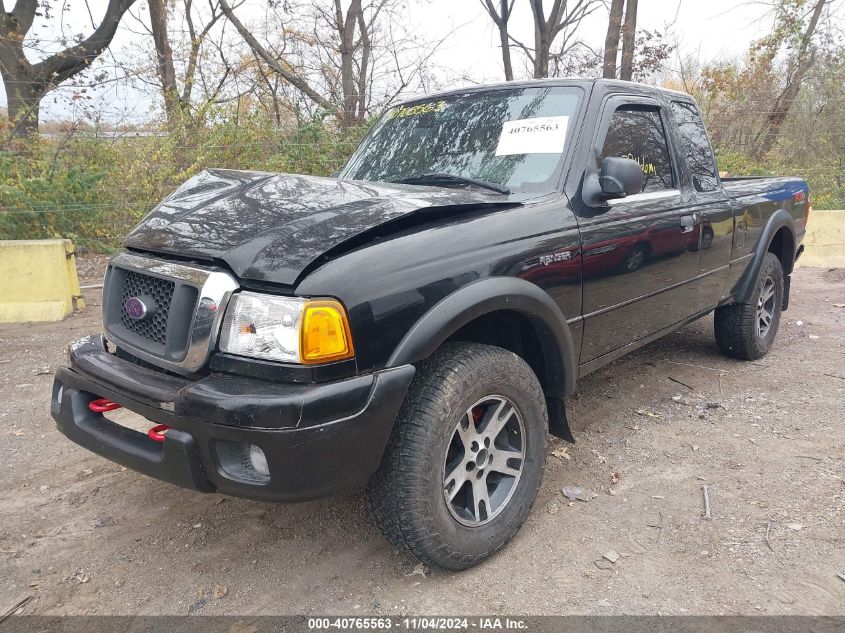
<point>289,329</point>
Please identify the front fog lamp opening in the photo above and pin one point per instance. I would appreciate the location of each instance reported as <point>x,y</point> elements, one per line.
<point>242,461</point>
<point>258,460</point>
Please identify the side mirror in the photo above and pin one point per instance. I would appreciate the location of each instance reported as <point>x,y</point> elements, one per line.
<point>620,177</point>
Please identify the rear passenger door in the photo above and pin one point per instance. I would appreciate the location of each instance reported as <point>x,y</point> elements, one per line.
<point>640,253</point>
<point>707,199</point>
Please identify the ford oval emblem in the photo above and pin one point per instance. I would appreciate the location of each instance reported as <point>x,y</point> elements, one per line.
<point>135,308</point>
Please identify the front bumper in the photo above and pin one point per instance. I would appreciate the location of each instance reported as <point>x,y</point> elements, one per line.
<point>317,438</point>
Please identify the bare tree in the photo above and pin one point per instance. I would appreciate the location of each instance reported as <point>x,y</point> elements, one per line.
<point>611,40</point>
<point>164,59</point>
<point>629,41</point>
<point>336,62</point>
<point>177,104</point>
<point>280,66</point>
<point>26,83</point>
<point>562,18</point>
<point>500,18</point>
<point>800,63</point>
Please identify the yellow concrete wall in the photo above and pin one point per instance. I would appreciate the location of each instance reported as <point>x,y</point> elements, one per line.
<point>38,280</point>
<point>824,243</point>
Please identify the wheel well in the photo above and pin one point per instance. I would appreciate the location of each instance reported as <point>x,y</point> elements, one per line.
<point>645,245</point>
<point>511,331</point>
<point>515,332</point>
<point>783,245</point>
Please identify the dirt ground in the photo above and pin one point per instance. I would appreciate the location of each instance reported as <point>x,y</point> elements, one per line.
<point>83,535</point>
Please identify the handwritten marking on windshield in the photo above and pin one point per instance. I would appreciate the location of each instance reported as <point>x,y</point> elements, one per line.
<point>416,110</point>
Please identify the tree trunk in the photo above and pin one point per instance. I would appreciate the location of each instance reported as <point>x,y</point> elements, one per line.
<point>611,40</point>
<point>363,69</point>
<point>629,41</point>
<point>23,101</point>
<point>164,61</point>
<point>542,48</point>
<point>506,50</point>
<point>346,26</point>
<point>803,62</point>
<point>500,19</point>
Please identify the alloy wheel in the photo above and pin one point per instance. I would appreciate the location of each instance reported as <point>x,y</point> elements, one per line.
<point>484,461</point>
<point>766,307</point>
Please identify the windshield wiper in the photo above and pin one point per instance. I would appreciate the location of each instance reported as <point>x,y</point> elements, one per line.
<point>447,179</point>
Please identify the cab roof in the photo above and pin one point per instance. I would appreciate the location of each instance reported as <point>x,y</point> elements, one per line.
<point>587,84</point>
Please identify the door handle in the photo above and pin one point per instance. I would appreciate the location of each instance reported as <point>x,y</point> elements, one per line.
<point>687,223</point>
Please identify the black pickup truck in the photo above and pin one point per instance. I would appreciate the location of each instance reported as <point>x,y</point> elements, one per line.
<point>415,324</point>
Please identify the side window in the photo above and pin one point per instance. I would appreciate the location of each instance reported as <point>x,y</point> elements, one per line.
<point>695,146</point>
<point>636,132</point>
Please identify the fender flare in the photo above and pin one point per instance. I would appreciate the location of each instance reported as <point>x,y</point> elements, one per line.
<point>490,295</point>
<point>744,287</point>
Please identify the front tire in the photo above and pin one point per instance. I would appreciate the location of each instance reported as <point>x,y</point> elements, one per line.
<point>465,459</point>
<point>635,259</point>
<point>747,330</point>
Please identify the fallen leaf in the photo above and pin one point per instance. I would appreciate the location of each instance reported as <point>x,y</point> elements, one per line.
<point>612,556</point>
<point>562,452</point>
<point>647,413</point>
<point>553,508</point>
<point>577,494</point>
<point>220,591</point>
<point>601,563</point>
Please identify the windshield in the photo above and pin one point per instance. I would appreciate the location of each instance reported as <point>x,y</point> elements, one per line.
<point>514,137</point>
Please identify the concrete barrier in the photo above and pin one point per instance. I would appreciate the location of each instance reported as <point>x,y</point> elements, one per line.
<point>38,280</point>
<point>824,243</point>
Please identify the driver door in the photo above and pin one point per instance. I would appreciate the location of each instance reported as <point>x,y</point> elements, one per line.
<point>639,252</point>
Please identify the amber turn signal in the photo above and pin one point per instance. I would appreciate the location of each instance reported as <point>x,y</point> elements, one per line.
<point>324,333</point>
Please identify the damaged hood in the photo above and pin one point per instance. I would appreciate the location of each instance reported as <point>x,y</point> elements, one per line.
<point>270,227</point>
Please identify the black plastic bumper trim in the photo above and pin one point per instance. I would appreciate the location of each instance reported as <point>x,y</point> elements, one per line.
<point>331,449</point>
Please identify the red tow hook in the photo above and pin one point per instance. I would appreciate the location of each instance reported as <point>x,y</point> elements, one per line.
<point>103,405</point>
<point>157,432</point>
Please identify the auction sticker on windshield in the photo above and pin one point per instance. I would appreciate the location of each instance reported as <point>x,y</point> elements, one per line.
<point>542,135</point>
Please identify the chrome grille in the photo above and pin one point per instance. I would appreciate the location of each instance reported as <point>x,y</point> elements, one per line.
<point>185,306</point>
<point>160,293</point>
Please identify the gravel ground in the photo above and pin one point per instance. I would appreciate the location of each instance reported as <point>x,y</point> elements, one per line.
<point>82,535</point>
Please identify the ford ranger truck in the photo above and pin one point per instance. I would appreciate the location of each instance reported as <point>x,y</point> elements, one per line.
<point>415,324</point>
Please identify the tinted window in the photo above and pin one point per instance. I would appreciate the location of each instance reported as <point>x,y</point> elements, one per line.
<point>462,135</point>
<point>636,132</point>
<point>695,146</point>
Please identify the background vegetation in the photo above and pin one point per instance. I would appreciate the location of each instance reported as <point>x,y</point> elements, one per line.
<point>301,91</point>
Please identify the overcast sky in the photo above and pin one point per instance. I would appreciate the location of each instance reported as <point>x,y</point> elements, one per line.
<point>714,29</point>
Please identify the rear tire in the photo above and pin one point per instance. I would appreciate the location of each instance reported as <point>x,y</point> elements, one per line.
<point>747,330</point>
<point>446,448</point>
